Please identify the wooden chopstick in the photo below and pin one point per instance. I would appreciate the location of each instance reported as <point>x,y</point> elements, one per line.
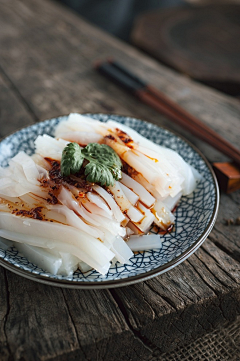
<point>159,101</point>
<point>209,137</point>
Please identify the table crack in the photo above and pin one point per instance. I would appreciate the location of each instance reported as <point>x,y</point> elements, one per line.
<point>6,315</point>
<point>219,265</point>
<point>74,327</point>
<point>137,334</point>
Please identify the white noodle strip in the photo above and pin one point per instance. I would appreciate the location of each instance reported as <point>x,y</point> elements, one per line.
<point>148,219</point>
<point>43,173</point>
<point>74,190</point>
<point>138,138</point>
<point>125,221</point>
<point>19,183</point>
<point>14,200</point>
<point>121,250</point>
<point>76,222</point>
<point>17,190</point>
<point>131,196</point>
<point>74,126</point>
<point>136,187</point>
<point>50,147</point>
<point>93,263</point>
<point>134,214</point>
<point>100,202</point>
<point>111,202</point>
<point>163,216</point>
<point>66,198</point>
<point>124,203</point>
<point>5,172</point>
<point>159,156</point>
<point>23,238</point>
<point>96,219</point>
<point>34,200</point>
<point>4,208</point>
<point>171,202</point>
<point>58,247</point>
<point>29,201</point>
<point>120,197</point>
<point>108,237</point>
<point>40,161</point>
<point>65,238</point>
<point>69,262</point>
<point>137,162</point>
<point>41,257</point>
<point>40,200</point>
<point>29,167</point>
<point>173,159</point>
<point>143,243</point>
<point>129,232</point>
<point>93,209</point>
<point>55,216</point>
<point>84,267</point>
<point>111,225</point>
<point>6,183</point>
<point>149,187</point>
<point>134,228</point>
<point>86,215</point>
<point>78,122</point>
<point>82,138</point>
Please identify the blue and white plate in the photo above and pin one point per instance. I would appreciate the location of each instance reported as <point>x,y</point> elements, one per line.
<point>195,215</point>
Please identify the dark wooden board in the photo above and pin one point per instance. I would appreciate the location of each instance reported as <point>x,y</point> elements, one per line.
<point>46,70</point>
<point>13,112</point>
<point>201,41</point>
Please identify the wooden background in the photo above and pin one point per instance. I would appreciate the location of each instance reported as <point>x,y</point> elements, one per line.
<point>46,58</point>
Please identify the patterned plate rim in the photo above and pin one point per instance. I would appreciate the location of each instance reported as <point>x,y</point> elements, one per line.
<point>132,279</point>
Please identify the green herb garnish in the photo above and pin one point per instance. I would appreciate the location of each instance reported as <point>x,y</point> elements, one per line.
<point>104,164</point>
<point>72,159</point>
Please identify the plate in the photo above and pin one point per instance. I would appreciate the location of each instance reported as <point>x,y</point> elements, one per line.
<point>195,214</point>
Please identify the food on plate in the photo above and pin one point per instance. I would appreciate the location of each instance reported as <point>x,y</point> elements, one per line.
<point>88,196</point>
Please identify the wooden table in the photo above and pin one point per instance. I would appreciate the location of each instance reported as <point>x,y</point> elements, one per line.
<point>46,57</point>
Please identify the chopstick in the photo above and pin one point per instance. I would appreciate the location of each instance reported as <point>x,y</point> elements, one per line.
<point>159,101</point>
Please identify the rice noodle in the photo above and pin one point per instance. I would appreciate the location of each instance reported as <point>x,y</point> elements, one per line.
<point>61,223</point>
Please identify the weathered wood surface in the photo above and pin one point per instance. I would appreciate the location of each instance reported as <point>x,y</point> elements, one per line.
<point>46,57</point>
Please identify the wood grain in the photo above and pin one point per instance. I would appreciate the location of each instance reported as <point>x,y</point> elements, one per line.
<point>13,112</point>
<point>190,300</point>
<point>46,70</point>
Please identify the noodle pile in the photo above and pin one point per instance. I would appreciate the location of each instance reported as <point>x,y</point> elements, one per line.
<point>62,223</point>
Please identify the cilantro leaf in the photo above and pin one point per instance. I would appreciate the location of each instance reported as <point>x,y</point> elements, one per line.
<point>104,164</point>
<point>96,172</point>
<point>72,159</point>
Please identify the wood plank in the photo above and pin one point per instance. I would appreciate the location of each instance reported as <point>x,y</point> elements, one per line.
<point>185,303</point>
<point>38,323</point>
<point>4,309</point>
<point>102,331</point>
<point>13,114</point>
<point>46,323</point>
<point>225,236</point>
